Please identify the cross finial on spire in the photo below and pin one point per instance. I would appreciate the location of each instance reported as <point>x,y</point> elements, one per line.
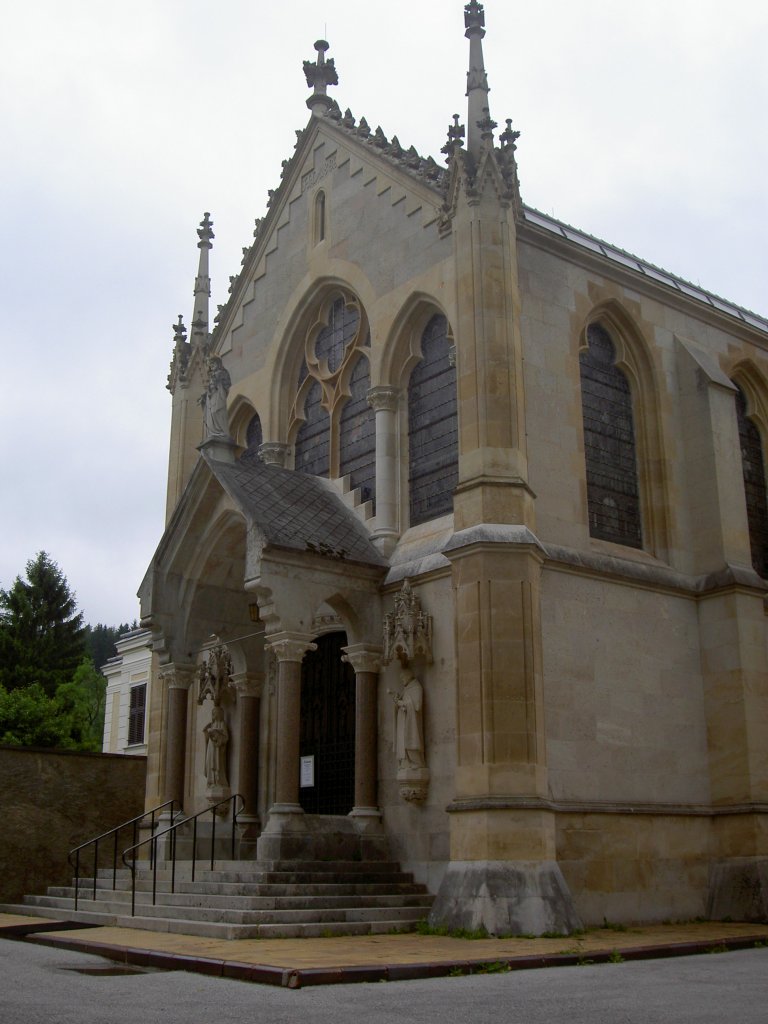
<point>319,76</point>
<point>509,136</point>
<point>179,332</point>
<point>474,15</point>
<point>204,232</point>
<point>455,137</point>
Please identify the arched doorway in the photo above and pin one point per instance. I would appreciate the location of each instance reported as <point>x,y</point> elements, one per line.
<point>327,728</point>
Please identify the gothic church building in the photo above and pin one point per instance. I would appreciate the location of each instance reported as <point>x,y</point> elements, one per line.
<point>466,546</point>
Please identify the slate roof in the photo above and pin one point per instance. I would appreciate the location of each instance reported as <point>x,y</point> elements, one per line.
<point>296,511</point>
<point>626,259</point>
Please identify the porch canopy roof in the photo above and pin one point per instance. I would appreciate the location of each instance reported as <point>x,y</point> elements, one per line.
<point>296,511</point>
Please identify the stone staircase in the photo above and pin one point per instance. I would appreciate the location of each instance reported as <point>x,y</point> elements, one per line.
<point>247,899</point>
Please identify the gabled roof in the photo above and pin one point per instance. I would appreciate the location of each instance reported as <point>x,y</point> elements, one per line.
<point>296,511</point>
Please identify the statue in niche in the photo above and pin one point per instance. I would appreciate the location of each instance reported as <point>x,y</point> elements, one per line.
<point>214,399</point>
<point>409,726</point>
<point>216,740</point>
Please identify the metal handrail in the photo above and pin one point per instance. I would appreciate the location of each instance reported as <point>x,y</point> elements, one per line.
<point>172,829</point>
<point>105,835</point>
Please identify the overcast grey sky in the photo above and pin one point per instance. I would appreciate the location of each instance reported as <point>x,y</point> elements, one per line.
<point>121,123</point>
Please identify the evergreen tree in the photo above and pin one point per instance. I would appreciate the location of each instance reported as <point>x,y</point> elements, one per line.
<point>100,641</point>
<point>42,637</point>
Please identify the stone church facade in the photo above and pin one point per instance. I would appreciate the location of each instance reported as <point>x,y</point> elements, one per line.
<point>465,553</point>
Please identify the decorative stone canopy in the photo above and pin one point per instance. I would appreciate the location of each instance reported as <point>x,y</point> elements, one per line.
<point>215,675</point>
<point>407,629</point>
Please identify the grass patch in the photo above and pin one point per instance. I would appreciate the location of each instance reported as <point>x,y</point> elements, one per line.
<point>615,957</point>
<point>492,967</point>
<point>612,926</point>
<point>721,948</point>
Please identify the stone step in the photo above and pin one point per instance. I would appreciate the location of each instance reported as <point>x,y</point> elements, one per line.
<point>242,899</point>
<point>255,889</point>
<point>57,913</point>
<point>371,867</point>
<point>347,872</point>
<point>212,929</point>
<point>215,930</point>
<point>196,898</point>
<point>306,877</point>
<point>218,914</point>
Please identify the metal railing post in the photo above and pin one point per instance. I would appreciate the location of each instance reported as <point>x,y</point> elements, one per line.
<point>213,834</point>
<point>114,862</point>
<point>77,876</point>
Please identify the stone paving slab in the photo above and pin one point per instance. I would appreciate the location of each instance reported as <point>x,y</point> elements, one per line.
<point>293,963</point>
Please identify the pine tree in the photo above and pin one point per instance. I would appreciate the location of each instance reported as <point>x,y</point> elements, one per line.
<point>42,637</point>
<point>100,641</point>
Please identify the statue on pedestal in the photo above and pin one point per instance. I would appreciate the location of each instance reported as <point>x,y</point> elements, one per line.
<point>214,400</point>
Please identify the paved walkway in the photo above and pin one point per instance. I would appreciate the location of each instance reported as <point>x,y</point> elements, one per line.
<point>293,963</point>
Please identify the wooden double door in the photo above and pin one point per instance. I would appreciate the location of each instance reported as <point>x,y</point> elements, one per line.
<point>327,728</point>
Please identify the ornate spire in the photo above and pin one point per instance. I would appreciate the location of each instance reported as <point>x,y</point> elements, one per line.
<point>180,358</point>
<point>200,317</point>
<point>455,137</point>
<point>319,76</point>
<point>477,81</point>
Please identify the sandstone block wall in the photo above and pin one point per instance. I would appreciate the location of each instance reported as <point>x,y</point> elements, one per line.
<point>51,801</point>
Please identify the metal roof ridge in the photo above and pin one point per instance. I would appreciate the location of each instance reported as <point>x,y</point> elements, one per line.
<point>725,305</point>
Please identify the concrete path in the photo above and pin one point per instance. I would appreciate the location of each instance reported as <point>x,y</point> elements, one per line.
<point>293,963</point>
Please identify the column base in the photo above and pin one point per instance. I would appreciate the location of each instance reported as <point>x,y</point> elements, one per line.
<point>738,889</point>
<point>505,898</point>
<point>325,837</point>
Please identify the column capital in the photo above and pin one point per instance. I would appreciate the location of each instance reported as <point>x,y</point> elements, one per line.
<point>289,646</point>
<point>384,398</point>
<point>274,453</point>
<point>247,684</point>
<point>363,657</point>
<point>178,677</point>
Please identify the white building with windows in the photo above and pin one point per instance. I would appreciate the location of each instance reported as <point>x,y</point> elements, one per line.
<point>128,677</point>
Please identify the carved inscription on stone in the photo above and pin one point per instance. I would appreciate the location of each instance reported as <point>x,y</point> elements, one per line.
<point>314,177</point>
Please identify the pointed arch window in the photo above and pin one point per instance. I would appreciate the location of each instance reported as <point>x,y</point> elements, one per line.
<point>335,433</point>
<point>313,438</point>
<point>253,439</point>
<point>357,434</point>
<point>613,492</point>
<point>433,434</point>
<point>319,218</point>
<point>753,469</point>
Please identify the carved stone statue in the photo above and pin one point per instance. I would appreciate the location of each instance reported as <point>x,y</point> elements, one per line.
<point>409,728</point>
<point>216,740</point>
<point>214,399</point>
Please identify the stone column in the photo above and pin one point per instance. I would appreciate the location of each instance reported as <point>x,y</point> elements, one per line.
<point>284,835</point>
<point>177,680</point>
<point>366,661</point>
<point>289,649</point>
<point>248,686</point>
<point>384,401</point>
<point>273,453</point>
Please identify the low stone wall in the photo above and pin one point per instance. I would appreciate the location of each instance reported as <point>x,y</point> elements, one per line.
<point>53,800</point>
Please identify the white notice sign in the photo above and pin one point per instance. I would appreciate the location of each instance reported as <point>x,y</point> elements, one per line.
<point>307,773</point>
